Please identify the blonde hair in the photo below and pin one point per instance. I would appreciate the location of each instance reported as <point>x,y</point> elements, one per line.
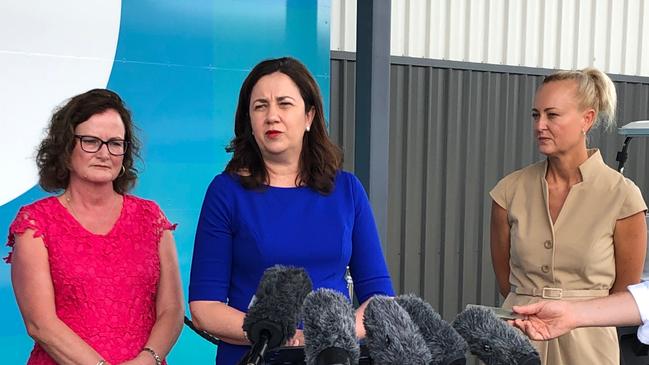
<point>594,90</point>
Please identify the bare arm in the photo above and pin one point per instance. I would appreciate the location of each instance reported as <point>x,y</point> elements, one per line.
<point>32,283</point>
<point>630,242</point>
<point>500,245</point>
<point>169,304</point>
<point>360,312</point>
<point>550,319</point>
<point>220,320</point>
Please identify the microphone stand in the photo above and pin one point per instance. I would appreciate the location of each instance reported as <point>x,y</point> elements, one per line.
<point>256,354</point>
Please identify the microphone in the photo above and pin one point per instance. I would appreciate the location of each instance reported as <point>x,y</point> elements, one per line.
<point>392,337</point>
<point>492,340</point>
<point>272,319</point>
<point>329,329</point>
<point>446,346</point>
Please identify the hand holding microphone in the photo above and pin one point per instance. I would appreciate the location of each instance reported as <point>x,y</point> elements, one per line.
<point>492,340</point>
<point>274,314</point>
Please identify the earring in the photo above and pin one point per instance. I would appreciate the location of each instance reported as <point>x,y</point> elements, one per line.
<point>123,171</point>
<point>308,128</point>
<point>583,132</point>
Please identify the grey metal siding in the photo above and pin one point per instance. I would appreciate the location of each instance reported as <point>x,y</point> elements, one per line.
<point>454,132</point>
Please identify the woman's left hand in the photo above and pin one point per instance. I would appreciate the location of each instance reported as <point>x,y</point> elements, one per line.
<point>297,340</point>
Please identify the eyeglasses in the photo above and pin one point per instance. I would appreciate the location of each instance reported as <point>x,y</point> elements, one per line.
<point>90,144</point>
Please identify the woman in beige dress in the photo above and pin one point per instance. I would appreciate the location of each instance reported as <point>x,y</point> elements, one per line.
<point>569,227</point>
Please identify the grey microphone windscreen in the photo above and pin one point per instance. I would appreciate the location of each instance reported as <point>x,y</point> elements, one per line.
<point>329,322</point>
<point>444,343</point>
<point>278,302</point>
<point>492,340</point>
<point>391,336</point>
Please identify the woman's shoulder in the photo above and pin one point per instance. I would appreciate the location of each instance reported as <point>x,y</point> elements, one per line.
<point>39,213</point>
<point>531,171</point>
<point>145,210</point>
<point>225,184</point>
<point>37,216</point>
<point>43,206</point>
<point>608,178</point>
<point>346,177</point>
<point>226,179</point>
<point>137,201</point>
<point>347,180</point>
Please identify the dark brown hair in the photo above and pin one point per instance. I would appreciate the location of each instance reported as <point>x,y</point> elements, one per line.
<point>320,158</point>
<point>53,156</point>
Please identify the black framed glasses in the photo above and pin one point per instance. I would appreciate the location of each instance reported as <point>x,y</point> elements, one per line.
<point>92,144</point>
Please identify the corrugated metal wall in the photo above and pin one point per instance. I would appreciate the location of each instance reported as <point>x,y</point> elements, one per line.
<point>612,35</point>
<point>454,132</point>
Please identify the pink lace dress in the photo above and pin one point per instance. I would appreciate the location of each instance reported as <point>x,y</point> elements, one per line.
<point>105,285</point>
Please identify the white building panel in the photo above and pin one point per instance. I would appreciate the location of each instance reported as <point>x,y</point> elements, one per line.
<point>397,33</point>
<point>643,46</point>
<point>612,35</point>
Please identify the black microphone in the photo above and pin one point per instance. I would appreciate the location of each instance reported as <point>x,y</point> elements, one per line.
<point>329,329</point>
<point>391,336</point>
<point>272,319</point>
<point>446,346</point>
<point>492,340</point>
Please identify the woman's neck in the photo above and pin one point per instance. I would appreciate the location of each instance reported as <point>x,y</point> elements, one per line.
<point>565,168</point>
<point>282,173</point>
<point>90,194</point>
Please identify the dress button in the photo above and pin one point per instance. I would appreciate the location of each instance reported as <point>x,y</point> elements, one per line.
<point>547,244</point>
<point>545,268</point>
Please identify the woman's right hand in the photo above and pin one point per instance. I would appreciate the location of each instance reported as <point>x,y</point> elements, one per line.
<point>297,340</point>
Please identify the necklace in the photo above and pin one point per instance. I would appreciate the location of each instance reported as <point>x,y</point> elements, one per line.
<point>68,200</point>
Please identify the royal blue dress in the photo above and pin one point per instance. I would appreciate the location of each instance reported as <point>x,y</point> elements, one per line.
<point>242,232</point>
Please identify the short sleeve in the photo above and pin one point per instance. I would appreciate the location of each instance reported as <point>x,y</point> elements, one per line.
<point>26,219</point>
<point>162,223</point>
<point>501,193</point>
<point>212,258</point>
<point>367,265</point>
<point>633,201</point>
<point>640,293</point>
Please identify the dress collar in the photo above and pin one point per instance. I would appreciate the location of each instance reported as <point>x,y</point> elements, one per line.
<point>591,166</point>
<point>588,169</point>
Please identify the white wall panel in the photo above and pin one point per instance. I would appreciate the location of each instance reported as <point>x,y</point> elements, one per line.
<point>457,35</point>
<point>612,35</point>
<point>600,41</point>
<point>514,33</point>
<point>643,30</point>
<point>585,31</point>
<point>476,42</point>
<point>397,33</point>
<point>616,36</point>
<point>438,41</point>
<point>631,35</point>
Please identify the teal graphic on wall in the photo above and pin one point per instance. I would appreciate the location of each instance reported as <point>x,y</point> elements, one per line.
<point>178,65</point>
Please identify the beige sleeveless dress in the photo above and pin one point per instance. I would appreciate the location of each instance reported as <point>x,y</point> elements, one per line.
<point>571,259</point>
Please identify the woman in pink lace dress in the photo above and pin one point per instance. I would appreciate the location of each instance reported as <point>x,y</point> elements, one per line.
<point>94,269</point>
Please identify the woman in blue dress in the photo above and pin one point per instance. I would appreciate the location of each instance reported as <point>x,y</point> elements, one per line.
<point>282,199</point>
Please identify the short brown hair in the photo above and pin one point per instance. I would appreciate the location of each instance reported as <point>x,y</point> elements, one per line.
<point>53,156</point>
<point>320,159</point>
